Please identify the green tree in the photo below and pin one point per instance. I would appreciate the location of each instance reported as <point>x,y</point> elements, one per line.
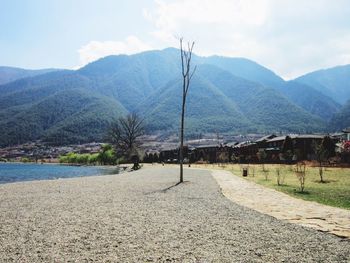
<point>107,155</point>
<point>93,158</point>
<point>82,158</point>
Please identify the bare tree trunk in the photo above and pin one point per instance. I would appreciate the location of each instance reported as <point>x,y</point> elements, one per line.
<point>182,138</point>
<point>187,75</point>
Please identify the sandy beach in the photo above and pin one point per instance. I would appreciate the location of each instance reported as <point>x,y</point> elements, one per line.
<point>130,217</point>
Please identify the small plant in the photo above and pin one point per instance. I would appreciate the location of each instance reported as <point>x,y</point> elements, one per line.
<point>252,169</point>
<point>320,171</point>
<point>279,176</point>
<point>300,172</point>
<point>320,153</point>
<point>266,174</point>
<point>262,158</point>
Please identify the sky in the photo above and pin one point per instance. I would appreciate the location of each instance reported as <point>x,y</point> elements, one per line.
<point>290,37</point>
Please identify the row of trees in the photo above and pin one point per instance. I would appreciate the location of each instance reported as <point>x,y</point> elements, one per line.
<point>106,156</point>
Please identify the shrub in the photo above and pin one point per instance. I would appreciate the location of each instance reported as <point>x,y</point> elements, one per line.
<point>280,175</point>
<point>82,158</point>
<point>25,160</point>
<point>106,156</point>
<point>300,172</point>
<point>93,158</point>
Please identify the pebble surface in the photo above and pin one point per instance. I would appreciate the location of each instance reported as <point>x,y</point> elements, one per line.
<point>136,217</point>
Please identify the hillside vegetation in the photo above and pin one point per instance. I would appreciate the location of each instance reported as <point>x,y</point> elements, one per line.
<point>341,120</point>
<point>333,82</point>
<point>226,95</point>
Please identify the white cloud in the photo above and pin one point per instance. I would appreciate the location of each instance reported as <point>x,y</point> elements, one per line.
<point>290,37</point>
<point>98,49</point>
<point>195,18</point>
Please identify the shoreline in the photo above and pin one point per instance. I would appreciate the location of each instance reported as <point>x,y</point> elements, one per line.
<point>65,164</point>
<point>46,175</point>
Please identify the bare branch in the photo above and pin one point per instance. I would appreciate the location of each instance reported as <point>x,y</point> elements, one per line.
<point>125,132</point>
<point>194,70</point>
<point>186,58</point>
<point>182,57</point>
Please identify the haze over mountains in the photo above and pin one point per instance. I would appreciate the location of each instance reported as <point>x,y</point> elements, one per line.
<point>8,74</point>
<point>228,95</point>
<point>333,82</point>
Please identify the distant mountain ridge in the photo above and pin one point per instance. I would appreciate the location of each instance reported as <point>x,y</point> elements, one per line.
<point>306,97</point>
<point>227,95</point>
<point>341,119</point>
<point>333,82</point>
<point>9,74</point>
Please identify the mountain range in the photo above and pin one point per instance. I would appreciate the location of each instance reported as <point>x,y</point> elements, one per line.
<point>8,74</point>
<point>227,95</point>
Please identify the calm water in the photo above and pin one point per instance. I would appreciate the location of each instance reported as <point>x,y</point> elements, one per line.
<point>14,172</point>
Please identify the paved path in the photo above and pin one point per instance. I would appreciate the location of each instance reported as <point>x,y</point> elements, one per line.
<point>131,217</point>
<point>282,206</point>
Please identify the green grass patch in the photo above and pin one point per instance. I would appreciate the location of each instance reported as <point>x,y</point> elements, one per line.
<point>335,191</point>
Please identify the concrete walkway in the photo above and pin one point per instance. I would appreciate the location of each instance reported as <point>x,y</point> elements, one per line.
<point>282,206</point>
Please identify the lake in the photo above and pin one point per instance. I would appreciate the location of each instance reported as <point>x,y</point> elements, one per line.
<point>17,172</point>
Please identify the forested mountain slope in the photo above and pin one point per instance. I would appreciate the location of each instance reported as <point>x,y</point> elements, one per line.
<point>333,82</point>
<point>226,95</point>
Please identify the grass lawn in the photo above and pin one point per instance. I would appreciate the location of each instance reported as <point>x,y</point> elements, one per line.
<point>334,192</point>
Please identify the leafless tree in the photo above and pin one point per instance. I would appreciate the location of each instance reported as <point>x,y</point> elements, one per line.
<point>280,175</point>
<point>124,134</point>
<point>187,74</point>
<point>300,172</point>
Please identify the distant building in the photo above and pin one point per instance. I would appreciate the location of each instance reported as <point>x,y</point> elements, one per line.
<point>302,144</point>
<point>347,133</point>
<point>246,151</point>
<point>262,142</point>
<point>172,155</point>
<point>303,148</point>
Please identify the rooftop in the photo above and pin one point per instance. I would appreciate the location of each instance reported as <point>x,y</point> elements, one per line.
<point>266,138</point>
<point>297,136</point>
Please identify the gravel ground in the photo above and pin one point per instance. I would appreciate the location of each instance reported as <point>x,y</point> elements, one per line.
<point>129,218</point>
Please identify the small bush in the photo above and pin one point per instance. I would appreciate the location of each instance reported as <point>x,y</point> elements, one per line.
<point>265,173</point>
<point>25,160</point>
<point>300,172</point>
<point>93,158</point>
<point>280,175</point>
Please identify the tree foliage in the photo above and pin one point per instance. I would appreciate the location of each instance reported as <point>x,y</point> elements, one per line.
<point>106,156</point>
